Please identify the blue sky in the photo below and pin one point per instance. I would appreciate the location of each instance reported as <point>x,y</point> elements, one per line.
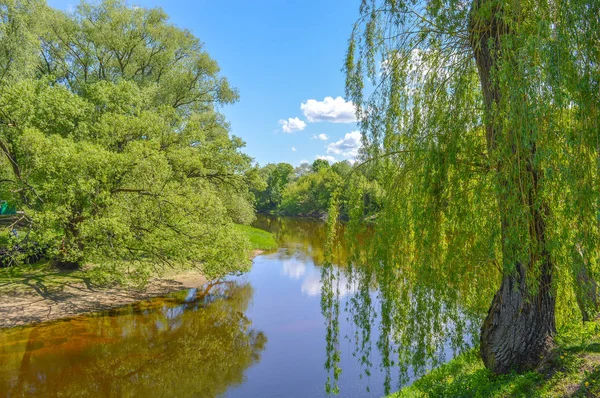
<point>279,54</point>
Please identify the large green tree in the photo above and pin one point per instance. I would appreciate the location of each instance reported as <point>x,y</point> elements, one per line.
<point>482,116</point>
<point>113,147</point>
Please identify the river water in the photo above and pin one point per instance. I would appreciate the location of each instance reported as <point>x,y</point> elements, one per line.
<point>267,333</point>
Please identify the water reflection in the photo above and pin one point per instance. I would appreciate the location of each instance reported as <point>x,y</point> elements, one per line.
<point>179,346</point>
<point>303,238</point>
<point>379,314</point>
<point>293,268</point>
<point>310,276</point>
<point>419,319</point>
<point>374,323</point>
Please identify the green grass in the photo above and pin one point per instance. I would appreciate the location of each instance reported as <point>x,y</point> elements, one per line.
<point>41,277</point>
<point>259,239</point>
<point>573,372</point>
<point>45,279</point>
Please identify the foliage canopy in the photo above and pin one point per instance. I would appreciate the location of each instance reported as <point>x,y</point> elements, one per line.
<point>112,143</point>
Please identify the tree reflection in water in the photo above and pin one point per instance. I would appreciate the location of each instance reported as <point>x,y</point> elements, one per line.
<point>376,301</point>
<point>395,322</point>
<point>178,346</point>
<point>418,320</point>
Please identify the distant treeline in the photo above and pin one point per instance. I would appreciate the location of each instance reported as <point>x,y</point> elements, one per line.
<point>307,190</point>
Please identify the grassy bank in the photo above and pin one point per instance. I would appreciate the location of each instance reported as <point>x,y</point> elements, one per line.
<point>41,277</point>
<point>573,372</point>
<point>259,239</point>
<point>39,292</point>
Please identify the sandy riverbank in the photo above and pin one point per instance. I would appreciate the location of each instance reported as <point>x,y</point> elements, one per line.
<point>35,306</point>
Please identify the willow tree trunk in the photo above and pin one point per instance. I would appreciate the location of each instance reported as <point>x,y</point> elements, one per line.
<point>518,331</point>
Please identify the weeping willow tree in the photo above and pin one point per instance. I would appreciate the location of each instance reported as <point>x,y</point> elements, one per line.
<point>481,117</point>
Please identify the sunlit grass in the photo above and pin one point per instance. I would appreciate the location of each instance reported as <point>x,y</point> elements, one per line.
<point>259,239</point>
<point>41,276</point>
<point>573,372</point>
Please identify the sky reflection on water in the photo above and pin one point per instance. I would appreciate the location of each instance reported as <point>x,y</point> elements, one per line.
<point>262,334</point>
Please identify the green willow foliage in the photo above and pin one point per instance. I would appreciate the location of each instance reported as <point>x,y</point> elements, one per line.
<point>424,122</point>
<point>111,140</point>
<point>469,177</point>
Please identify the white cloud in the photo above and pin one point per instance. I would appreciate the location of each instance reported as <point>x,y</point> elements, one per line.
<point>293,149</point>
<point>330,159</point>
<point>312,284</point>
<point>303,161</point>
<point>348,146</point>
<point>292,124</point>
<point>293,268</point>
<point>298,268</point>
<point>421,67</point>
<point>322,137</point>
<point>331,110</point>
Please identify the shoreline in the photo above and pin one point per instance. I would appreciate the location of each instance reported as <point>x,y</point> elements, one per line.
<point>37,306</point>
<point>572,370</point>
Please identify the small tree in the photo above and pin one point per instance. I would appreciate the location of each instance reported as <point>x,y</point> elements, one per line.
<point>319,164</point>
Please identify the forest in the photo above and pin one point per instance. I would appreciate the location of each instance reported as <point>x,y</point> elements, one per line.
<point>469,221</point>
<point>307,190</point>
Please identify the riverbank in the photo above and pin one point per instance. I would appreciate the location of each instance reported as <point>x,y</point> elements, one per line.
<point>259,238</point>
<point>35,299</point>
<point>573,372</point>
<point>40,293</point>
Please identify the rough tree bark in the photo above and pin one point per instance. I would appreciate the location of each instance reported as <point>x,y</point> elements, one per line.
<point>518,331</point>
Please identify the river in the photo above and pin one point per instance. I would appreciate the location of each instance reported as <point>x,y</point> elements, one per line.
<point>267,333</point>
